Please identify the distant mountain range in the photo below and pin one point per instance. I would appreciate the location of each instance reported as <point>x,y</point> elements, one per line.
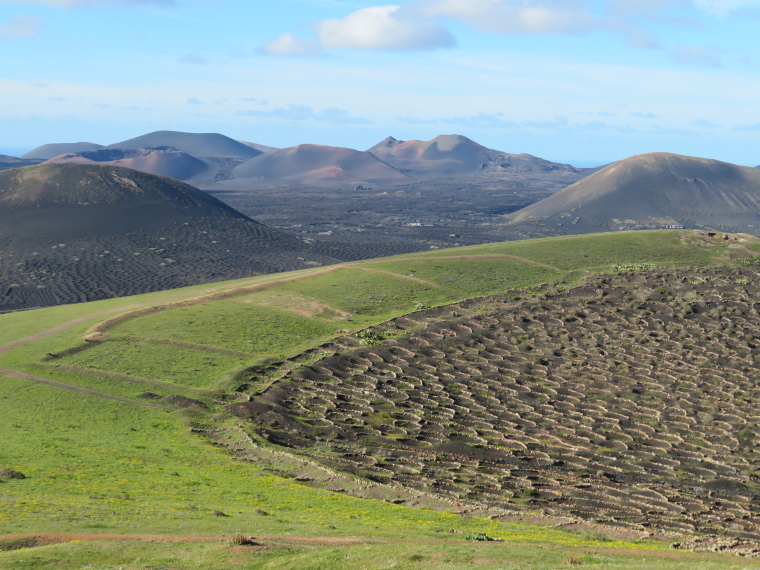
<point>214,161</point>
<point>48,151</point>
<point>656,190</point>
<point>80,232</point>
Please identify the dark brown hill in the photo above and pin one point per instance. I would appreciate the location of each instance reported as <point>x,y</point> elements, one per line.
<point>652,191</point>
<point>317,165</point>
<point>456,155</point>
<point>47,151</point>
<point>199,145</point>
<point>165,161</point>
<point>7,162</point>
<point>71,232</point>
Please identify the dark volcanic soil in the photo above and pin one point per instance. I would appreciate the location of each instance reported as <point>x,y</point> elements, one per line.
<point>72,233</point>
<point>631,400</point>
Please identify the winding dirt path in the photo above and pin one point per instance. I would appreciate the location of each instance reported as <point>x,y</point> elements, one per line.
<point>48,538</point>
<point>91,316</point>
<point>103,326</point>
<point>208,294</point>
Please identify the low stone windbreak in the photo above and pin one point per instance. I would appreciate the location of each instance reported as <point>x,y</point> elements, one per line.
<point>630,400</point>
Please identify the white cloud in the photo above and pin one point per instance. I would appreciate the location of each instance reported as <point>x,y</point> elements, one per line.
<point>78,3</point>
<point>725,7</point>
<point>19,27</point>
<point>516,17</point>
<point>287,45</point>
<point>696,55</point>
<point>193,58</point>
<point>383,28</point>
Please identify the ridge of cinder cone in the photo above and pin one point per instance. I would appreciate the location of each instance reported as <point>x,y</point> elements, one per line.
<point>318,165</point>
<point>456,155</point>
<point>48,151</point>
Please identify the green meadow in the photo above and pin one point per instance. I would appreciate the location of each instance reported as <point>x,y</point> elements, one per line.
<point>99,466</point>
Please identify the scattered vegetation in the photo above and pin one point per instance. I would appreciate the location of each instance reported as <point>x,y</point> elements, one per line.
<point>371,420</point>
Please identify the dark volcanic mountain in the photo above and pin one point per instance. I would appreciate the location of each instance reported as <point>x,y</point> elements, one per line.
<point>15,162</point>
<point>315,165</point>
<point>652,191</point>
<point>71,232</point>
<point>456,155</point>
<point>165,161</point>
<point>47,151</point>
<point>199,145</point>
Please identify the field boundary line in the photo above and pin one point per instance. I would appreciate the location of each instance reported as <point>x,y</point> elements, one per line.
<point>473,256</point>
<point>40,380</point>
<point>117,376</point>
<point>402,276</point>
<point>63,537</point>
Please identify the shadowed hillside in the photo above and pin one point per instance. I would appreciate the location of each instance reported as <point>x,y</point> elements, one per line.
<point>47,151</point>
<point>7,162</point>
<point>652,191</point>
<point>71,233</point>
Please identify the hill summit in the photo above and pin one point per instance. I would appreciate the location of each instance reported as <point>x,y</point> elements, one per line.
<point>200,145</point>
<point>317,165</point>
<point>166,161</point>
<point>652,190</point>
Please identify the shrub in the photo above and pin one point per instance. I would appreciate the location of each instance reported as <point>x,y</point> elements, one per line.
<point>482,537</point>
<point>11,474</point>
<point>240,540</point>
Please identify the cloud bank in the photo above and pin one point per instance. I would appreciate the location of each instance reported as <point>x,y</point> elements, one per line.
<point>420,24</point>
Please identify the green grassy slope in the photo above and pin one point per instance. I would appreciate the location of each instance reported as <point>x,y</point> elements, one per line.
<point>96,465</point>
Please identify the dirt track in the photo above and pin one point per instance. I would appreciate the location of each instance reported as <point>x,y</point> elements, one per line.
<point>61,537</point>
<point>32,378</point>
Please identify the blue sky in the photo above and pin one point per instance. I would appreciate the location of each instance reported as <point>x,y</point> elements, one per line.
<point>579,81</point>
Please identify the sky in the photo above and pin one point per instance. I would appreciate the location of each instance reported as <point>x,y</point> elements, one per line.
<point>585,82</point>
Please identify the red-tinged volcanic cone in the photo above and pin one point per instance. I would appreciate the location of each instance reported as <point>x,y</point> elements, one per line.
<point>456,155</point>
<point>318,165</point>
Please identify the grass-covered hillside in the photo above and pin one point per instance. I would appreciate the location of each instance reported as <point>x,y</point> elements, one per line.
<point>335,417</point>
